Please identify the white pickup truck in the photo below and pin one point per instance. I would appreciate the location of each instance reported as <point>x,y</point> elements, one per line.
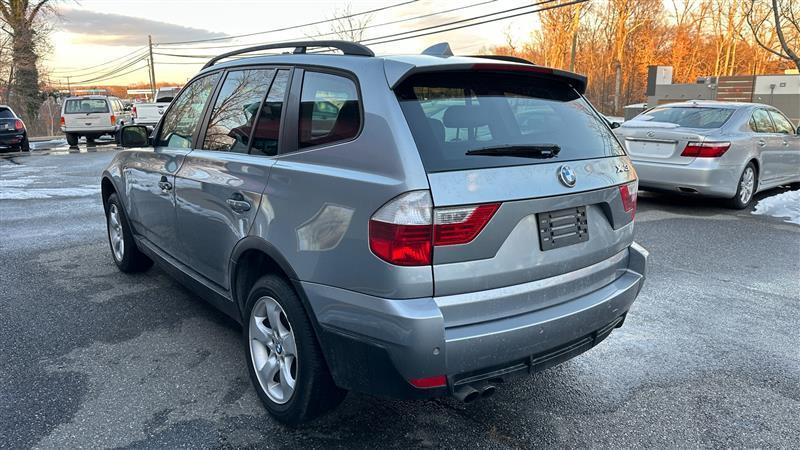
<point>150,113</point>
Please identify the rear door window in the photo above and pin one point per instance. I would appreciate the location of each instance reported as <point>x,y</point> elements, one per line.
<point>265,136</point>
<point>452,113</point>
<point>688,117</point>
<point>86,106</point>
<point>235,110</point>
<point>761,123</point>
<point>329,109</point>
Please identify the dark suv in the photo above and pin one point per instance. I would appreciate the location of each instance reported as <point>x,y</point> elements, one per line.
<point>408,226</point>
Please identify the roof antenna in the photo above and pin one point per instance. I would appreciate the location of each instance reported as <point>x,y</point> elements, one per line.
<point>441,49</point>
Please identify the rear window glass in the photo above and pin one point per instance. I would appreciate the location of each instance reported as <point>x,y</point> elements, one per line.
<point>689,117</point>
<point>86,105</point>
<point>6,113</point>
<point>451,113</point>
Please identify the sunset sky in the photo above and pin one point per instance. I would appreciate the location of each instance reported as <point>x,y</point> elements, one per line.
<point>92,32</point>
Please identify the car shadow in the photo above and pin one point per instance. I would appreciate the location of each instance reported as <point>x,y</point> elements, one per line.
<point>700,206</point>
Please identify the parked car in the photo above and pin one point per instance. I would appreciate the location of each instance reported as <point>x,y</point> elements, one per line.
<point>386,225</point>
<point>92,116</point>
<point>718,149</point>
<point>150,113</point>
<point>13,134</point>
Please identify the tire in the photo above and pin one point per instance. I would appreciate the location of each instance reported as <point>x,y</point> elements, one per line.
<point>25,146</point>
<point>126,255</point>
<point>745,190</point>
<point>314,392</point>
<point>72,139</point>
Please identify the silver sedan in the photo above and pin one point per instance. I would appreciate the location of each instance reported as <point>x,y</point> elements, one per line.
<point>719,149</point>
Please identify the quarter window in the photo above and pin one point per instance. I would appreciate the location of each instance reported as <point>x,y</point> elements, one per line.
<point>761,123</point>
<point>265,136</point>
<point>235,110</point>
<point>182,119</point>
<point>329,110</point>
<point>782,124</point>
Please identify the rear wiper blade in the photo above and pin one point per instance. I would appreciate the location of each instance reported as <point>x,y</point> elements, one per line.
<point>522,151</point>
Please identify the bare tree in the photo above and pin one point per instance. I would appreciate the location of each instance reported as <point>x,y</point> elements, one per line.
<point>781,17</point>
<point>348,26</point>
<point>21,20</point>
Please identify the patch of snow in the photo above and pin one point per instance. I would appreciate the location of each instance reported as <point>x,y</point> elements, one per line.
<point>34,193</point>
<point>785,205</point>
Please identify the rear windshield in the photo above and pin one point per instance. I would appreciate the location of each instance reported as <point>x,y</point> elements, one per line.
<point>6,113</point>
<point>689,117</point>
<point>86,105</point>
<point>451,113</point>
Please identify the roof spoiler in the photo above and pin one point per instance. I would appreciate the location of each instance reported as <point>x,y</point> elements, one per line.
<point>397,74</point>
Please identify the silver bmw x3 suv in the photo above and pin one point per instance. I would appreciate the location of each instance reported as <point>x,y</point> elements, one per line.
<point>406,226</point>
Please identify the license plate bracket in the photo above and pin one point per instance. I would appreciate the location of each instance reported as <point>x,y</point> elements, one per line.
<point>562,227</point>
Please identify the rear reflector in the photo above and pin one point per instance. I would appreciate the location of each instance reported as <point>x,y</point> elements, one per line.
<point>706,149</point>
<point>628,192</point>
<point>460,225</point>
<point>430,382</point>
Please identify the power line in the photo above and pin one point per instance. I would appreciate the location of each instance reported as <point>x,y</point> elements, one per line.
<point>84,83</point>
<point>110,74</point>
<point>225,38</point>
<point>71,71</point>
<point>393,22</point>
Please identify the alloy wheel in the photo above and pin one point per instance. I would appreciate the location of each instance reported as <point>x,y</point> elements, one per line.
<point>115,233</point>
<point>747,185</point>
<point>273,349</point>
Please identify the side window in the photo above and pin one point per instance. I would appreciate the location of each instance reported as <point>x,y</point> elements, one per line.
<point>265,136</point>
<point>782,124</point>
<point>329,109</point>
<point>235,110</point>
<point>761,123</point>
<point>183,118</point>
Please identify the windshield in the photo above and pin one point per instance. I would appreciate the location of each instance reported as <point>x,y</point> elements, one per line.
<point>686,116</point>
<point>453,114</point>
<point>86,105</point>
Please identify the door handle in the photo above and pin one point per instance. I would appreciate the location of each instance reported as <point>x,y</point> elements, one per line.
<point>761,143</point>
<point>238,203</point>
<point>164,185</point>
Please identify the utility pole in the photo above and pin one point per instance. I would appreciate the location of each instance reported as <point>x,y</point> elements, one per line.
<point>152,68</point>
<point>69,88</point>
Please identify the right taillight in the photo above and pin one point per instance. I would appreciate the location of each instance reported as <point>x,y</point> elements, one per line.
<point>628,192</point>
<point>405,230</point>
<point>706,149</point>
<point>133,112</point>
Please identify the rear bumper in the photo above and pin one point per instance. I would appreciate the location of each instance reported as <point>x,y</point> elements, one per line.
<point>90,131</point>
<point>11,139</point>
<point>703,176</point>
<point>375,345</point>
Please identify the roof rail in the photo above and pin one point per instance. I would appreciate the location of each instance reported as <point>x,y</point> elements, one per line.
<point>348,48</point>
<point>508,58</point>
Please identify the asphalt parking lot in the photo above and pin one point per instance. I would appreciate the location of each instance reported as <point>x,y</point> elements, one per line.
<point>89,357</point>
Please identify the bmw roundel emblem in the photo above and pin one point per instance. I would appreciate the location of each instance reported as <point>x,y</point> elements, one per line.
<point>567,176</point>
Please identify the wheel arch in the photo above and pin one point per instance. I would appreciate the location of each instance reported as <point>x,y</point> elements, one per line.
<point>106,189</point>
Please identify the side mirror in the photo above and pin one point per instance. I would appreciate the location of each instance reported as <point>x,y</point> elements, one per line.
<point>614,125</point>
<point>798,130</point>
<point>134,136</point>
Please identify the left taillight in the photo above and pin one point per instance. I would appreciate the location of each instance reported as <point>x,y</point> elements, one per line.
<point>401,231</point>
<point>706,149</point>
<point>460,225</point>
<point>19,125</point>
<point>629,192</point>
<point>63,122</point>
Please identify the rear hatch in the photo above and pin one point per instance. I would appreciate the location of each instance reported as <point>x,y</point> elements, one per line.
<point>8,122</point>
<point>520,156</point>
<point>85,113</point>
<point>662,134</point>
